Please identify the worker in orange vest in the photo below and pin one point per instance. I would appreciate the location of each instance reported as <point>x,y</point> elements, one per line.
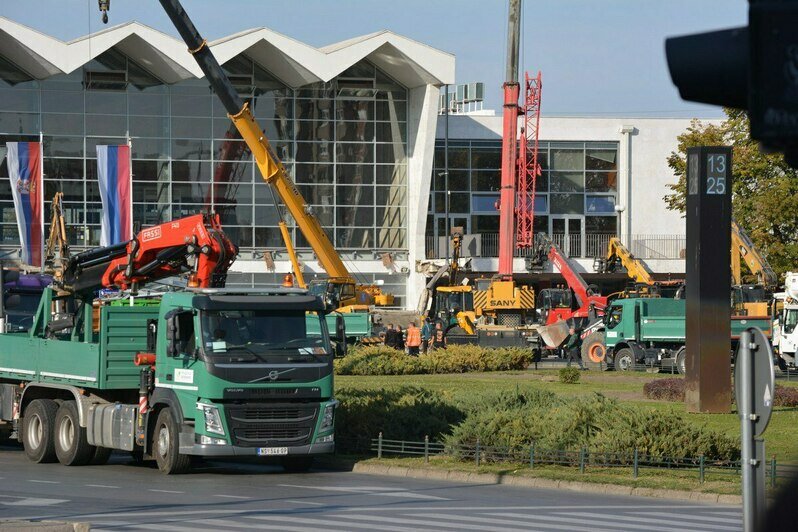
<point>413,341</point>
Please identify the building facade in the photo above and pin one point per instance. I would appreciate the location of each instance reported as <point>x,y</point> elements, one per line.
<point>356,124</point>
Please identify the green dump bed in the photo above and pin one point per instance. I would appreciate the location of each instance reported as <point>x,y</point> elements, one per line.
<point>106,363</point>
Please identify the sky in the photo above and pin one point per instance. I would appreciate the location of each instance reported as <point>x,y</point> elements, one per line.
<point>598,57</point>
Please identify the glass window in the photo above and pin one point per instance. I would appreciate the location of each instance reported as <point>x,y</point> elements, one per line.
<point>355,152</point>
<point>234,214</point>
<point>19,100</point>
<point>231,150</point>
<point>391,132</point>
<point>601,181</point>
<point>459,202</point>
<point>315,152</point>
<point>567,181</point>
<point>567,203</point>
<point>485,224</point>
<point>63,146</point>
<point>318,194</point>
<point>484,203</point>
<point>150,148</point>
<point>191,192</point>
<point>149,126</point>
<point>268,237</point>
<point>354,174</point>
<point>110,125</point>
<point>313,130</point>
<point>354,216</point>
<point>191,171</point>
<point>391,174</point>
<point>73,190</point>
<point>391,195</point>
<point>62,102</point>
<point>391,217</point>
<point>63,168</point>
<point>150,171</point>
<point>599,204</point>
<point>486,180</point>
<point>391,238</point>
<point>602,159</point>
<point>601,224</point>
<point>191,149</point>
<point>148,104</point>
<point>567,159</point>
<point>315,109</point>
<point>106,102</point>
<point>314,173</point>
<point>391,111</point>
<point>151,192</point>
<point>191,128</point>
<point>542,182</point>
<point>192,104</point>
<point>56,124</point>
<point>487,158</point>
<point>355,237</point>
<point>346,195</point>
<point>267,216</point>
<point>93,142</point>
<point>541,204</point>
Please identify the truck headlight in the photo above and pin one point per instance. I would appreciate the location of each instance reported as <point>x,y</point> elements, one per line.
<point>213,421</point>
<point>328,418</point>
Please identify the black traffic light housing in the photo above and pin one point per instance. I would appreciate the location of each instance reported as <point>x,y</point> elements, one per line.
<point>754,68</point>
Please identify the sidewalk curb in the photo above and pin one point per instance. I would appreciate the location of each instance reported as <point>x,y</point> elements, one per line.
<point>532,482</point>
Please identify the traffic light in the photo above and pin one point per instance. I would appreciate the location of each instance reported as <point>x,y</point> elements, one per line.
<point>754,68</point>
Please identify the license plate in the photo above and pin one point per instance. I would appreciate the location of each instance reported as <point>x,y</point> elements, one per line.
<point>272,451</point>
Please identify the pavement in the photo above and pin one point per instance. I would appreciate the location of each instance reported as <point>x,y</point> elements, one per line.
<point>220,495</point>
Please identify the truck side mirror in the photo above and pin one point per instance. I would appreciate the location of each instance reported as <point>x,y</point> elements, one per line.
<point>340,336</point>
<point>10,276</point>
<point>179,331</point>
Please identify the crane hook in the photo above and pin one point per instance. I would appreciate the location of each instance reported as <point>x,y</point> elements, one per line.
<point>104,6</point>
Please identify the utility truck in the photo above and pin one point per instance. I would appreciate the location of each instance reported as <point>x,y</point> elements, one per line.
<point>651,331</point>
<point>785,335</point>
<point>202,371</point>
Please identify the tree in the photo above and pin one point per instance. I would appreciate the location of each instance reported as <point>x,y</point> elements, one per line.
<point>764,187</point>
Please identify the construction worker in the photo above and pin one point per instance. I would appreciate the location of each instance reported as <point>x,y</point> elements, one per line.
<point>573,348</point>
<point>413,341</point>
<point>426,333</point>
<point>390,336</point>
<point>400,338</point>
<point>438,340</point>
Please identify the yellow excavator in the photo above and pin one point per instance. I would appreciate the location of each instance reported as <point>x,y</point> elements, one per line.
<point>750,299</point>
<point>644,285</point>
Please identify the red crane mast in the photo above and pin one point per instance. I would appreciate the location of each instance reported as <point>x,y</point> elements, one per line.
<point>528,166</point>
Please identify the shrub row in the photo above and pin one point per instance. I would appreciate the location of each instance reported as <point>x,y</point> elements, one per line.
<point>381,360</point>
<point>673,390</point>
<point>512,422</point>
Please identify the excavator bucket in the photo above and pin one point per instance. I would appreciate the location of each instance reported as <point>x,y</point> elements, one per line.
<point>554,334</point>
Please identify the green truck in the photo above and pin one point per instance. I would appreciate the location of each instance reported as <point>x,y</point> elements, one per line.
<point>651,331</point>
<point>206,372</point>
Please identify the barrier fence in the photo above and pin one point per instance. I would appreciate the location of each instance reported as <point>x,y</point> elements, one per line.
<point>532,456</point>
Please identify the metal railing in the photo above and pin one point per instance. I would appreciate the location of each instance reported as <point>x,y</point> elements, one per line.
<point>586,246</point>
<point>533,456</point>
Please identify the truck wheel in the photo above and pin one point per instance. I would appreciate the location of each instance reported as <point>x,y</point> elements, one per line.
<point>71,443</point>
<point>594,352</point>
<point>100,456</point>
<point>297,464</point>
<point>166,446</point>
<point>624,360</point>
<point>38,432</point>
<point>681,365</point>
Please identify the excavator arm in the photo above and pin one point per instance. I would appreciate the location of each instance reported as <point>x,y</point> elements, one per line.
<point>618,253</point>
<point>743,246</point>
<point>195,244</point>
<point>270,167</point>
<point>585,297</point>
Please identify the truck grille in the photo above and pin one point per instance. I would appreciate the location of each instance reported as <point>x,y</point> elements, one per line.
<point>271,424</point>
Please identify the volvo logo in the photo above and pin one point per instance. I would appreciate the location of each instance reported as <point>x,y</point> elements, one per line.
<point>273,375</point>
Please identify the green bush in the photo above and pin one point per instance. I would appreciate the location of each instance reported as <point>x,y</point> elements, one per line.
<point>381,360</point>
<point>513,422</point>
<point>569,375</point>
<point>406,413</point>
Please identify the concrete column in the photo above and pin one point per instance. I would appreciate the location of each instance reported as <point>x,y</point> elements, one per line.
<point>422,116</point>
<point>625,184</point>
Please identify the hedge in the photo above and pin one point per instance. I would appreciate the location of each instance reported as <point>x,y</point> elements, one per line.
<point>381,360</point>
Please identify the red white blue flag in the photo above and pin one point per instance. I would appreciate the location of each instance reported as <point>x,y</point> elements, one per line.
<point>25,171</point>
<point>113,171</point>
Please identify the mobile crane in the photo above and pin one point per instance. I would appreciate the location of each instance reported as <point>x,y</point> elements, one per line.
<point>203,372</point>
<point>619,257</point>
<point>339,291</point>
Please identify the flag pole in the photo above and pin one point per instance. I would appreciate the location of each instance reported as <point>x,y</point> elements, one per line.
<point>130,181</point>
<point>41,199</point>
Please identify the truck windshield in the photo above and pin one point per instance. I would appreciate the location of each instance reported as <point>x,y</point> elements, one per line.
<point>254,334</point>
<point>790,320</point>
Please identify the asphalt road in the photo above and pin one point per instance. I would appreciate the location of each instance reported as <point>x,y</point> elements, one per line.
<point>234,496</point>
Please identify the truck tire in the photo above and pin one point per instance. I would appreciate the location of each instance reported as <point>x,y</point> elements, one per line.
<point>100,456</point>
<point>624,360</point>
<point>71,443</point>
<point>38,432</point>
<point>297,464</point>
<point>594,352</point>
<point>681,365</point>
<point>166,445</point>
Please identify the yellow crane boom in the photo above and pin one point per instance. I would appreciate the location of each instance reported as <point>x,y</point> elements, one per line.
<point>743,247</point>
<point>618,253</point>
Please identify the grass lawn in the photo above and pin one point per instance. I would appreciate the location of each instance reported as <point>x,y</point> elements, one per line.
<point>781,437</point>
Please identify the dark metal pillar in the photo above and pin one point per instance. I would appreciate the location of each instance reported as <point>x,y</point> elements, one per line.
<point>708,327</point>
